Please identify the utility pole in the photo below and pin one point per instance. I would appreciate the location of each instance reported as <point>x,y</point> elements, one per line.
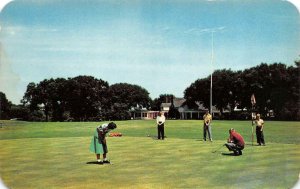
<point>212,60</point>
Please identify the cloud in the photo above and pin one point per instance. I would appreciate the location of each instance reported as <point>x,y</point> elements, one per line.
<point>200,31</point>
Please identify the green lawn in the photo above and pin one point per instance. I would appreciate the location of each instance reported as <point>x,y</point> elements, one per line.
<point>55,155</point>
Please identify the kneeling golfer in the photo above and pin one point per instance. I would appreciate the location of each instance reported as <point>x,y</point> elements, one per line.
<point>98,143</point>
<point>235,143</point>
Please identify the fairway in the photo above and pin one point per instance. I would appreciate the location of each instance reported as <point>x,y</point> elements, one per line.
<point>56,155</point>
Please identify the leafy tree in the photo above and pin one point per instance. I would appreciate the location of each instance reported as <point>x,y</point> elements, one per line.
<point>223,89</point>
<point>126,96</point>
<point>5,106</point>
<point>30,97</point>
<point>275,86</point>
<point>49,94</point>
<point>20,111</point>
<point>87,97</point>
<point>291,106</point>
<point>270,85</point>
<point>83,96</point>
<point>199,91</point>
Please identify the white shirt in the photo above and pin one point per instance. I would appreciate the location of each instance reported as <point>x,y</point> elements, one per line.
<point>160,120</point>
<point>259,122</point>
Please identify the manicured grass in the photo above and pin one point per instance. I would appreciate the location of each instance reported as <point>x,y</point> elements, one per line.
<point>55,155</point>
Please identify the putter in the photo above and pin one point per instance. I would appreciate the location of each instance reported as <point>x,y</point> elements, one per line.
<point>218,148</point>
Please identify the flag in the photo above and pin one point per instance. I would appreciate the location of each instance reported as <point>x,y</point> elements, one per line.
<point>253,101</point>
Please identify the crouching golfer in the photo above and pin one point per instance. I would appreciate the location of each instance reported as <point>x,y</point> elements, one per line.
<point>235,143</point>
<point>98,143</point>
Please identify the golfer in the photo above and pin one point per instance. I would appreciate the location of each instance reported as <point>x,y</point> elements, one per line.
<point>207,118</point>
<point>98,143</point>
<point>160,121</point>
<point>259,130</point>
<point>235,143</point>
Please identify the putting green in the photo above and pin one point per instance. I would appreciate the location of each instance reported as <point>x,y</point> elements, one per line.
<point>61,158</point>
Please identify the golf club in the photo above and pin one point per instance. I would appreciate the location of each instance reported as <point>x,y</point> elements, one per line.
<point>218,148</point>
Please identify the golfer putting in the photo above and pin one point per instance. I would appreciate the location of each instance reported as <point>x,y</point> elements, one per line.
<point>98,143</point>
<point>235,143</point>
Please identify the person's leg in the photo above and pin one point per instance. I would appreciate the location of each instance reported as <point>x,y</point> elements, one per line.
<point>204,132</point>
<point>163,131</point>
<point>209,133</point>
<point>158,131</point>
<point>105,151</point>
<point>98,157</point>
<point>105,160</point>
<point>240,148</point>
<point>232,147</point>
<point>262,139</point>
<point>240,152</point>
<point>258,136</point>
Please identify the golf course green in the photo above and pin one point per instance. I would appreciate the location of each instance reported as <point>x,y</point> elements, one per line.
<point>56,155</point>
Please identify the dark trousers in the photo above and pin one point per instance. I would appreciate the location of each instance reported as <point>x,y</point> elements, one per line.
<point>260,136</point>
<point>160,131</point>
<point>235,148</point>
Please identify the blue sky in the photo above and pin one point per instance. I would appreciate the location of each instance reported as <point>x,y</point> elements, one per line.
<point>161,45</point>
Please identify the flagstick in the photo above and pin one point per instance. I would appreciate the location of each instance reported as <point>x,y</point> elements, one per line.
<point>252,126</point>
<point>253,102</point>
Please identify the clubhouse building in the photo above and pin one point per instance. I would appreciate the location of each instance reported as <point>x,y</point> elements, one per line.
<point>182,109</point>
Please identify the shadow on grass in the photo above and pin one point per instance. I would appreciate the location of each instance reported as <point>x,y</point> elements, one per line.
<point>228,154</point>
<point>154,137</point>
<point>201,140</point>
<point>99,163</point>
<point>94,162</point>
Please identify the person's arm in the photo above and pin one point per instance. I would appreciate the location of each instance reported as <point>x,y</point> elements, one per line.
<point>262,125</point>
<point>208,121</point>
<point>101,135</point>
<point>163,120</point>
<point>229,139</point>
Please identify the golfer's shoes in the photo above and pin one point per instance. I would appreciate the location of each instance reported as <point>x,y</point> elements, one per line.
<point>261,144</point>
<point>238,152</point>
<point>106,161</point>
<point>99,161</point>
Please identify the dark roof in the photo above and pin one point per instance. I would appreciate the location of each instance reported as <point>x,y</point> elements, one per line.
<point>178,102</point>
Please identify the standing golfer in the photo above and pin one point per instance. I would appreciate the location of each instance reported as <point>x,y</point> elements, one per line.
<point>98,143</point>
<point>259,130</point>
<point>235,143</point>
<point>160,121</point>
<point>207,118</point>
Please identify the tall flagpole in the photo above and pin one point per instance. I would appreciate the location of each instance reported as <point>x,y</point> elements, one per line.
<point>212,59</point>
<point>253,102</point>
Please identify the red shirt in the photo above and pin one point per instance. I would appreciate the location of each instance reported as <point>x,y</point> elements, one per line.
<point>237,138</point>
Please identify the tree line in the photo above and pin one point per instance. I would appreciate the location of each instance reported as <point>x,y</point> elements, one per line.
<point>86,98</point>
<point>276,88</point>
